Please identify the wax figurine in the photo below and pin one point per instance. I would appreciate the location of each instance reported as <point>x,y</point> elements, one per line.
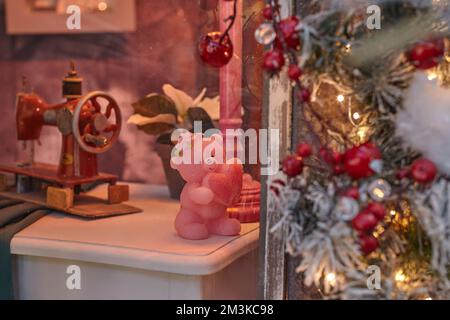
<point>212,186</point>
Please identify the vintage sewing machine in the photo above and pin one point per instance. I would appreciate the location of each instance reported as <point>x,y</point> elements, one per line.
<point>90,125</point>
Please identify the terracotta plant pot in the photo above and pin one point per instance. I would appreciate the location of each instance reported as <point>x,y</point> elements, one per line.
<point>174,180</point>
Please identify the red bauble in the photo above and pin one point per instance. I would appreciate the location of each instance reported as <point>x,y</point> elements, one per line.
<point>304,150</point>
<point>291,36</point>
<point>364,221</point>
<point>423,171</point>
<point>292,166</point>
<point>357,161</point>
<point>368,243</point>
<point>378,210</point>
<point>268,12</point>
<point>294,72</point>
<point>427,54</point>
<point>273,61</point>
<point>213,51</point>
<point>351,193</point>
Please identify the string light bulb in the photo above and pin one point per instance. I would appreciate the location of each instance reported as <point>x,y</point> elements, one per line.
<point>340,98</point>
<point>432,75</point>
<point>356,116</point>
<point>400,276</point>
<point>331,278</point>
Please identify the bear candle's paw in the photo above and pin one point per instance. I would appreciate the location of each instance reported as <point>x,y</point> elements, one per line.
<point>193,231</point>
<point>225,227</point>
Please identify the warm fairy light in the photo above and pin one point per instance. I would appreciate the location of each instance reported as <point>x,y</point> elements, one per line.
<point>356,116</point>
<point>428,298</point>
<point>348,47</point>
<point>378,192</point>
<point>102,6</point>
<point>340,98</point>
<point>331,278</point>
<point>400,276</point>
<point>393,212</point>
<point>362,132</point>
<point>432,75</point>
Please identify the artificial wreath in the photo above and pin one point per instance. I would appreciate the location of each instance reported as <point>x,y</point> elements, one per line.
<point>368,187</point>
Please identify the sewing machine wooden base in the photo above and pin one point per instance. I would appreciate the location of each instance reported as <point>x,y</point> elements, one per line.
<point>32,184</point>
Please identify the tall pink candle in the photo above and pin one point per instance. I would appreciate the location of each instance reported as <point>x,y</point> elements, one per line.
<point>231,74</point>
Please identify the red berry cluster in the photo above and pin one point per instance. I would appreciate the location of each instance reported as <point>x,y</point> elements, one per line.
<point>293,164</point>
<point>287,42</point>
<point>427,54</point>
<point>365,222</point>
<point>422,171</point>
<point>356,162</point>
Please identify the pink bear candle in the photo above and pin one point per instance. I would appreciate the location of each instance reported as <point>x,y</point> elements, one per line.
<point>212,187</point>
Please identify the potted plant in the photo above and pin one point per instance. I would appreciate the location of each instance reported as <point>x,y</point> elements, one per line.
<point>161,114</point>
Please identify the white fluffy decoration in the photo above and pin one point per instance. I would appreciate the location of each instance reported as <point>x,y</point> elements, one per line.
<point>424,123</point>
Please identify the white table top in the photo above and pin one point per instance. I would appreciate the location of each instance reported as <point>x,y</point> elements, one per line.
<point>145,240</point>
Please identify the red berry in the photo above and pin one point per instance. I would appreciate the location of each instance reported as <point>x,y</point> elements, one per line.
<point>368,243</point>
<point>423,171</point>
<point>268,12</point>
<point>214,50</point>
<point>304,95</point>
<point>365,221</point>
<point>426,55</point>
<point>338,169</point>
<point>278,45</point>
<point>292,166</point>
<point>357,161</point>
<point>273,61</point>
<point>351,193</point>
<point>403,173</point>
<point>378,210</point>
<point>336,157</point>
<point>294,72</point>
<point>325,154</point>
<point>304,150</point>
<point>291,36</point>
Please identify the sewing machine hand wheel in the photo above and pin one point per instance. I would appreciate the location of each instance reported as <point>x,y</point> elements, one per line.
<point>100,123</point>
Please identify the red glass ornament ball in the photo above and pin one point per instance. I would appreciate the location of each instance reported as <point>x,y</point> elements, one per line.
<point>423,171</point>
<point>215,50</point>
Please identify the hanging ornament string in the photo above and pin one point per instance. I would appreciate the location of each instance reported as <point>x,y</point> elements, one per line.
<point>231,19</point>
